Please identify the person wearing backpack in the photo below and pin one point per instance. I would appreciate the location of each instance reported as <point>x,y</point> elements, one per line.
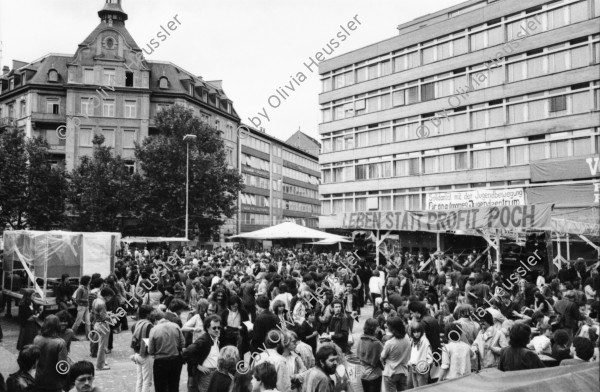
<point>141,358</point>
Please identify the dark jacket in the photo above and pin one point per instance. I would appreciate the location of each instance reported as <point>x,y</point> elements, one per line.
<point>227,337</point>
<point>20,382</point>
<point>197,352</point>
<point>265,322</point>
<point>369,351</point>
<point>339,326</point>
<point>52,351</point>
<point>432,331</point>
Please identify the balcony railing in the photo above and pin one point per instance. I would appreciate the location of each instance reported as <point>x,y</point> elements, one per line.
<point>48,117</point>
<point>7,122</point>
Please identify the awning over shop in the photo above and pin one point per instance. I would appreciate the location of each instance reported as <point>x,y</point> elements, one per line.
<point>130,240</point>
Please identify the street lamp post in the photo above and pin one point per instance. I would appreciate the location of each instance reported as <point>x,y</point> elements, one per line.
<point>187,139</point>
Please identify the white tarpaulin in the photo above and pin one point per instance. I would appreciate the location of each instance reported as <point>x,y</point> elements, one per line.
<point>97,252</point>
<point>287,230</point>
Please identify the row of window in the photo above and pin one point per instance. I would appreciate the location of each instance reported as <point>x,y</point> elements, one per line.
<point>300,191</point>
<point>255,200</point>
<point>461,82</point>
<point>300,176</point>
<point>300,160</point>
<point>543,18</point>
<point>254,219</point>
<point>128,137</point>
<point>531,107</point>
<point>477,156</point>
<point>255,162</point>
<point>255,181</point>
<point>302,207</point>
<point>256,144</point>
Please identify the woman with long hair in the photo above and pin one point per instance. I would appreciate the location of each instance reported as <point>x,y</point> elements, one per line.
<point>235,332</point>
<point>516,356</point>
<point>53,350</point>
<point>369,351</point>
<point>293,361</point>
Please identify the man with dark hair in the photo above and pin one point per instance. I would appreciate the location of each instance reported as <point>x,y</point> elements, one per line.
<point>264,377</point>
<point>318,378</point>
<point>203,354</point>
<point>582,350</point>
<point>265,321</point>
<point>339,326</point>
<point>165,343</point>
<point>23,379</point>
<point>176,307</point>
<point>82,375</point>
<point>569,314</point>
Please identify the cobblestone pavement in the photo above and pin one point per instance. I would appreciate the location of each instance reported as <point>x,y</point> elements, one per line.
<point>122,375</point>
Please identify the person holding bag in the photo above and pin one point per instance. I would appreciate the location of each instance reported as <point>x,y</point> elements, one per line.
<point>141,358</point>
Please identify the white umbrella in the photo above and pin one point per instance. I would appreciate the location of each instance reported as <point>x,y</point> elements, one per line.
<point>287,230</point>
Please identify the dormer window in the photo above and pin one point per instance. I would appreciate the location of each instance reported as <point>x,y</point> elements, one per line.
<point>163,82</point>
<point>53,76</point>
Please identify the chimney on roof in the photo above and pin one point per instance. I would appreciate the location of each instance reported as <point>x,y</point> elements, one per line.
<point>5,70</point>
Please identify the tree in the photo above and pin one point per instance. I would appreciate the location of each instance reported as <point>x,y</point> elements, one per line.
<point>213,187</point>
<point>32,193</point>
<point>100,193</point>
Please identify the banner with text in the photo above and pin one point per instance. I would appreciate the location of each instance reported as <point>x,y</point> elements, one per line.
<point>536,216</point>
<point>475,198</point>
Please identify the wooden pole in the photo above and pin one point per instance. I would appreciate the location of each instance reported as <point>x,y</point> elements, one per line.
<point>497,252</point>
<point>377,243</point>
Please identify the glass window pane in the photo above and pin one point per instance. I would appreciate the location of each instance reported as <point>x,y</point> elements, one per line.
<point>399,63</point>
<point>516,113</point>
<point>386,68</point>
<point>459,46</point>
<point>361,74</point>
<point>398,98</point>
<point>412,95</point>
<point>478,119</point>
<point>535,67</point>
<point>580,57</point>
<point>559,149</point>
<point>495,36</point>
<point>444,88</point>
<point>515,72</point>
<point>496,157</point>
<point>461,123</point>
<point>517,155</point>
<point>582,146</point>
<point>537,151</point>
<point>413,59</point>
<point>537,110</point>
<point>480,159</point>
<point>582,102</point>
<point>557,62</point>
<point>578,11</point>
<point>430,165</point>
<point>556,18</point>
<point>443,51</point>
<point>428,54</point>
<point>496,117</point>
<point>477,41</point>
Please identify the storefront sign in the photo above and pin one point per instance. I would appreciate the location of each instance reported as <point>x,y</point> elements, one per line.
<point>504,217</point>
<point>475,198</point>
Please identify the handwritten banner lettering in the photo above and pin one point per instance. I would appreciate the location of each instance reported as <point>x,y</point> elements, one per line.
<point>502,217</point>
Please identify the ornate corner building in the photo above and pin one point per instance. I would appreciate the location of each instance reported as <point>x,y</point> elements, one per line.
<point>107,88</point>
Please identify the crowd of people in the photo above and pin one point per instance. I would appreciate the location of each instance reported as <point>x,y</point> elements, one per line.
<point>283,320</point>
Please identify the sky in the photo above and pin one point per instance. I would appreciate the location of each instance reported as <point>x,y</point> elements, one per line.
<point>253,46</point>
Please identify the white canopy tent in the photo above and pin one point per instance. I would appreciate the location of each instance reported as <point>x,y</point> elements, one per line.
<point>289,230</point>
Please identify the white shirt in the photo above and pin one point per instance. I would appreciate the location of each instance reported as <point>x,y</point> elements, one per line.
<point>375,285</point>
<point>211,361</point>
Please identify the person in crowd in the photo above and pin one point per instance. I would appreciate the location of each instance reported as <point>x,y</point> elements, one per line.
<point>81,376</point>
<point>165,344</point>
<point>375,289</point>
<point>194,323</point>
<point>339,326</point>
<point>516,356</point>
<point>542,343</point>
<point>308,330</point>
<point>569,314</point>
<point>23,380</point>
<point>419,313</point>
<point>385,311</point>
<point>81,298</point>
<point>66,333</point>
<point>368,351</point>
<point>295,365</point>
<point>395,356</point>
<point>274,344</point>
<point>456,355</point>
<point>64,293</point>
<point>143,361</point>
<point>52,351</point>
<point>29,323</point>
<point>264,378</point>
<point>265,321</point>
<point>421,357</point>
<point>235,332</point>
<point>489,343</point>
<point>582,351</point>
<point>202,355</point>
<point>174,311</point>
<point>102,324</point>
<point>222,379</point>
<point>318,378</point>
<point>561,346</point>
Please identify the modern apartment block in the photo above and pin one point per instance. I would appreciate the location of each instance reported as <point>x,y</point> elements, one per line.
<point>484,96</point>
<point>107,88</point>
<point>281,182</point>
